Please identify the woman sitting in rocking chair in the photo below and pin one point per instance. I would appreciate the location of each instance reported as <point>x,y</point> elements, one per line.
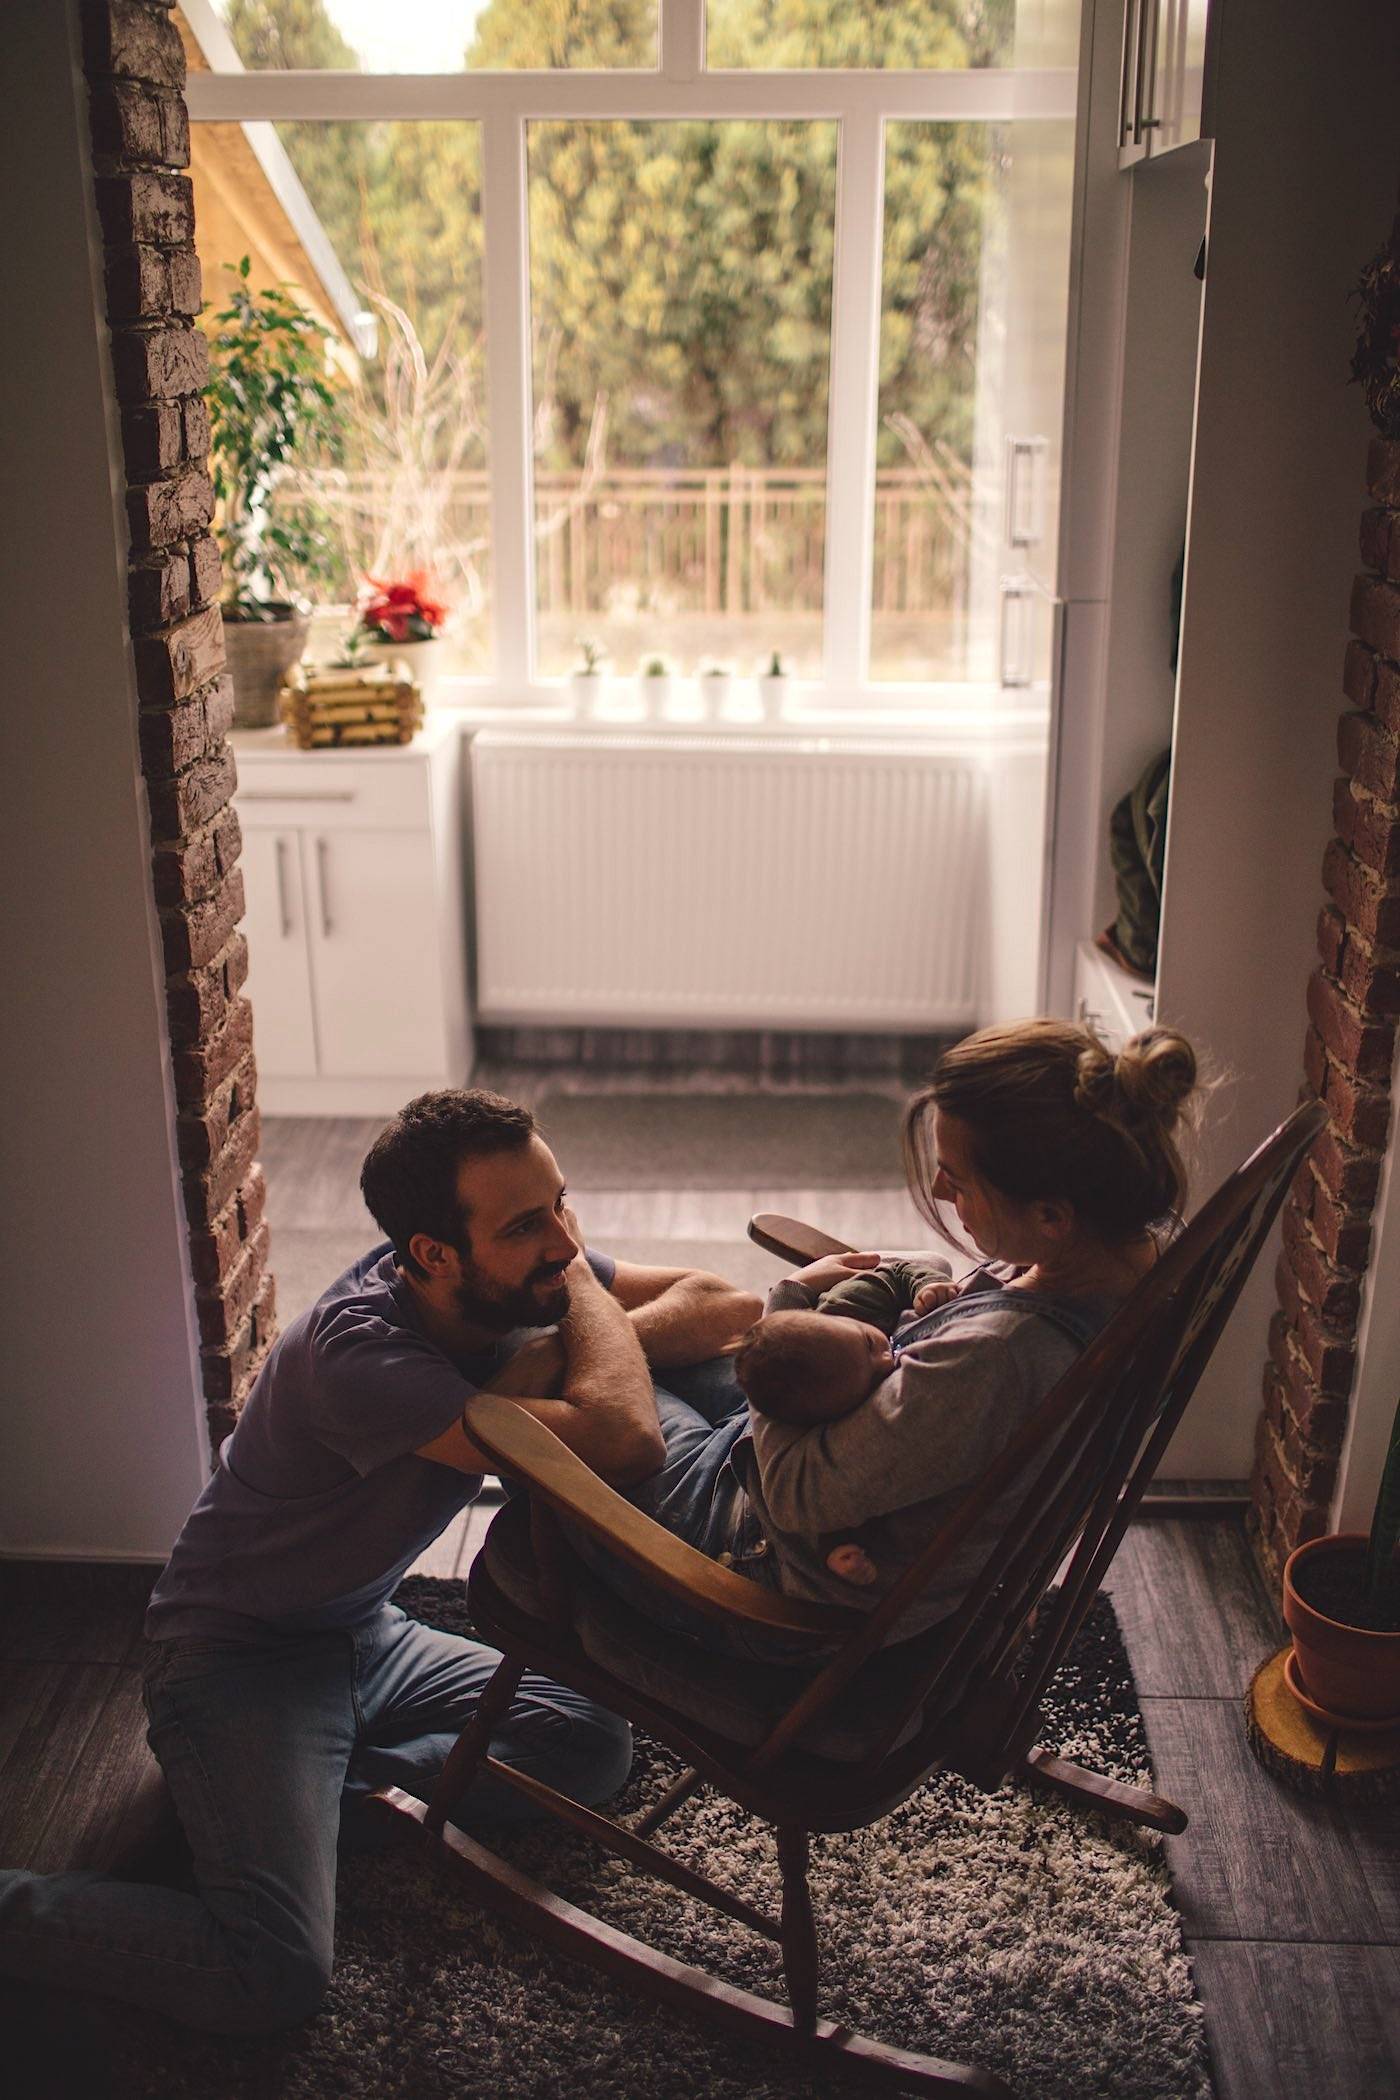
<point>1060,1160</point>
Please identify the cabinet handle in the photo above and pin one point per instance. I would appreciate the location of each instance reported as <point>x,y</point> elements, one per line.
<point>1148,119</point>
<point>282,905</point>
<point>296,794</point>
<point>1127,119</point>
<point>322,862</point>
<point>1141,70</point>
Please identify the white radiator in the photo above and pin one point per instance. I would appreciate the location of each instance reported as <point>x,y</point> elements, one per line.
<point>718,882</point>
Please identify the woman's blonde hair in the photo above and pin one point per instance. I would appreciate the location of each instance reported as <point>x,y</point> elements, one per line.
<point>1054,1115</point>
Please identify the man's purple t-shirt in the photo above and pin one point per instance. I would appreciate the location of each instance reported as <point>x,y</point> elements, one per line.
<point>319,1502</point>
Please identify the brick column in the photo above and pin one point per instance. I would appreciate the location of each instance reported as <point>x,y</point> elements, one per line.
<point>135,68</point>
<point>1353,1003</point>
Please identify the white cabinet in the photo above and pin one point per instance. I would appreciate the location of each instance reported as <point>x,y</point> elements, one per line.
<point>1165,96</point>
<point>353,873</point>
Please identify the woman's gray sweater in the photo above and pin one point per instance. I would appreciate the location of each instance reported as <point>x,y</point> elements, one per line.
<point>899,1464</point>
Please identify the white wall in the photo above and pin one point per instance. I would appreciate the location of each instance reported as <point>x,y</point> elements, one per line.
<point>101,1440</point>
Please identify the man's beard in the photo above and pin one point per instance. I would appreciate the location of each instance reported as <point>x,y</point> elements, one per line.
<point>502,1308</point>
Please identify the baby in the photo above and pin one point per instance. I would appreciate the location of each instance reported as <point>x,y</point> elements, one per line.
<point>803,1368</point>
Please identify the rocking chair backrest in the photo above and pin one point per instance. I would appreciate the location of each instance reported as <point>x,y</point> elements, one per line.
<point>1086,1457</point>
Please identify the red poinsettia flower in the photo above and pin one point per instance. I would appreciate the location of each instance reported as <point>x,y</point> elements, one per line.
<point>401,611</point>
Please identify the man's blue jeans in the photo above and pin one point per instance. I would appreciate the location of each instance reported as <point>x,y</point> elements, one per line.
<point>260,1745</point>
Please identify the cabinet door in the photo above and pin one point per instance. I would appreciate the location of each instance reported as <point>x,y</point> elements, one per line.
<point>279,981</point>
<point>374,953</point>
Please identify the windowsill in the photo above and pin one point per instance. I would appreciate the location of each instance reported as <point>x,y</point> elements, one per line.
<point>810,710</point>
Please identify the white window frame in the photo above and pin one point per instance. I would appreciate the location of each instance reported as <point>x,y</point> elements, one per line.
<point>503,104</point>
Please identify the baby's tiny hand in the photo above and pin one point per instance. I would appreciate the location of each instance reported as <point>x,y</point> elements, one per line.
<point>852,1564</point>
<point>928,1295</point>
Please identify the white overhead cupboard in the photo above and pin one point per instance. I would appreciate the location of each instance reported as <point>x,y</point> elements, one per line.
<point>352,865</point>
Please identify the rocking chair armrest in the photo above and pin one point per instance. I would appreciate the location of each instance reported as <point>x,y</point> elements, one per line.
<point>793,1241</point>
<point>525,1449</point>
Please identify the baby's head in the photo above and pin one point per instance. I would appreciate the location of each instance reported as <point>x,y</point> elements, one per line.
<point>806,1367</point>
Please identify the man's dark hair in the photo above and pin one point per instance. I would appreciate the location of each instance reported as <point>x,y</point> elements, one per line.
<point>409,1178</point>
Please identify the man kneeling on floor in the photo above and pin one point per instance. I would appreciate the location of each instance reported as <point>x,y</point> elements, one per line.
<point>283,1687</point>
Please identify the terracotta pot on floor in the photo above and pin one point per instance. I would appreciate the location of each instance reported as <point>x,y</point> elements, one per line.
<point>1352,1673</point>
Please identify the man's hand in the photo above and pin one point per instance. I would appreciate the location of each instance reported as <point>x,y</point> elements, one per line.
<point>819,1276</point>
<point>536,1369</point>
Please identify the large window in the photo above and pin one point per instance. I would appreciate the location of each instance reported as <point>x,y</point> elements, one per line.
<point>680,291</point>
<point>725,280</point>
<point>400,204</point>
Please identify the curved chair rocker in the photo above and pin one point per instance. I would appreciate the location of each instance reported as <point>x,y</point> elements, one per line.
<point>840,1744</point>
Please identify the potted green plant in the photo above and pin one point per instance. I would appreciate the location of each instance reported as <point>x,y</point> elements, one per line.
<point>1341,1602</point>
<point>399,621</point>
<point>656,685</point>
<point>772,688</point>
<point>271,410</point>
<point>588,679</point>
<point>714,683</point>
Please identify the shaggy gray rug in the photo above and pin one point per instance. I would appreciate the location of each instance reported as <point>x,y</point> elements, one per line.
<point>657,1141</point>
<point>1001,1930</point>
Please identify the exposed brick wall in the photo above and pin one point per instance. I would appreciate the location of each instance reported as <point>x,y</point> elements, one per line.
<point>1353,1004</point>
<point>135,68</point>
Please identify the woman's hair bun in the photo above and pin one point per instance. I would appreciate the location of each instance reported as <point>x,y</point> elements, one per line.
<point>1156,1074</point>
<point>1094,1078</point>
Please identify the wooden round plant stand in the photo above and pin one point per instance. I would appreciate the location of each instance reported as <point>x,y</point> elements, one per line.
<point>1339,1764</point>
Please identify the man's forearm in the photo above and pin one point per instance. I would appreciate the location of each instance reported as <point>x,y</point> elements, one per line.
<point>698,1317</point>
<point>606,1376</point>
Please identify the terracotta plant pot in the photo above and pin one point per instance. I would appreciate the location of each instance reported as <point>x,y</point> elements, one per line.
<point>260,653</point>
<point>1351,1672</point>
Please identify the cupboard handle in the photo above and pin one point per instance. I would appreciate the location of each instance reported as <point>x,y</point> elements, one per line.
<point>1127,122</point>
<point>1141,70</point>
<point>296,794</point>
<point>322,862</point>
<point>282,905</point>
<point>1148,119</point>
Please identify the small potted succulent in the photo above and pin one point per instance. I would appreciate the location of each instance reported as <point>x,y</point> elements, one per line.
<point>271,409</point>
<point>657,686</point>
<point>772,688</point>
<point>714,682</point>
<point>589,679</point>
<point>1341,1602</point>
<point>399,621</point>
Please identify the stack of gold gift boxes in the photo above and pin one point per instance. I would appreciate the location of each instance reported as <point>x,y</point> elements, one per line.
<point>326,708</point>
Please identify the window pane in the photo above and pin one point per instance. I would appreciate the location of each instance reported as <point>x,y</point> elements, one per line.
<point>435,36</point>
<point>376,230</point>
<point>782,35</point>
<point>680,279</point>
<point>935,537</point>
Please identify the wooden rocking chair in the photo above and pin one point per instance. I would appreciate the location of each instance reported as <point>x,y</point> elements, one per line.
<point>845,1741</point>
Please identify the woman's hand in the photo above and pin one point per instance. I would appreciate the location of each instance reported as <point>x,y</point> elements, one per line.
<point>819,1276</point>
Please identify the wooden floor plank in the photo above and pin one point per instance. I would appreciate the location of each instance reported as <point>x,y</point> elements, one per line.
<point>47,1771</point>
<point>1192,1607</point>
<point>64,1612</point>
<point>1256,1862</point>
<point>1301,2023</point>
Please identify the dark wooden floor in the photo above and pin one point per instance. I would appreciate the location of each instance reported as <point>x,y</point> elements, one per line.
<point>1291,1909</point>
